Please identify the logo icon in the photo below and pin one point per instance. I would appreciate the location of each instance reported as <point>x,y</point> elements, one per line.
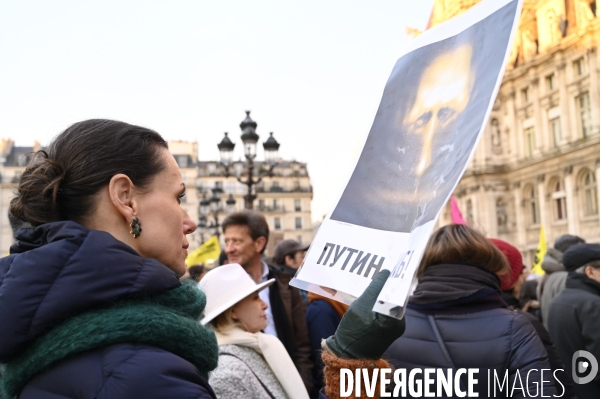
<point>579,366</point>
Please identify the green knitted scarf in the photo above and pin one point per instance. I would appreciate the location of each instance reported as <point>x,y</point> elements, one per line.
<point>168,321</point>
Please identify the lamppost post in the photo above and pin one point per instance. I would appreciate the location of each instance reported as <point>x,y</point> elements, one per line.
<point>212,207</point>
<point>249,140</point>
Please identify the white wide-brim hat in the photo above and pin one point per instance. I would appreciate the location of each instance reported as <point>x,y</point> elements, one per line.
<point>225,286</point>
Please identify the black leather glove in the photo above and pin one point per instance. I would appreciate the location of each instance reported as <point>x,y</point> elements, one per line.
<point>362,333</point>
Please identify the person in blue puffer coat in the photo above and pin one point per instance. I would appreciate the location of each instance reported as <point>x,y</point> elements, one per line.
<point>91,305</point>
<point>456,319</point>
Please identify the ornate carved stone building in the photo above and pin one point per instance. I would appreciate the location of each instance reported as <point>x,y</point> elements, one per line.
<point>538,162</point>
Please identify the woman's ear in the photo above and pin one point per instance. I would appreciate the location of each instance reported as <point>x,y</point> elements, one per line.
<point>120,189</point>
<point>233,315</point>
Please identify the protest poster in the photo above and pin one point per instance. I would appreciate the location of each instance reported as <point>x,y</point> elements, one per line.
<point>432,113</point>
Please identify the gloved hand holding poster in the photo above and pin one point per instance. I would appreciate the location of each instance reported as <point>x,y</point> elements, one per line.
<point>433,110</point>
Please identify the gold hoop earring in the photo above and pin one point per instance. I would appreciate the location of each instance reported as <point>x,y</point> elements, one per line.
<point>136,227</point>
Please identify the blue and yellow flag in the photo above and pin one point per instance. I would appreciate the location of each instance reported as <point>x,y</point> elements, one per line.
<point>540,253</point>
<point>210,250</point>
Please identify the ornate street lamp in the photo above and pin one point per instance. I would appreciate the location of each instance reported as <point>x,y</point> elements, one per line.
<point>271,147</point>
<point>249,140</point>
<point>230,204</point>
<point>226,150</point>
<point>212,207</point>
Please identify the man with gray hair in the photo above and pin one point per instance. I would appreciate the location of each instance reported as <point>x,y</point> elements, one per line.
<point>574,319</point>
<point>556,276</point>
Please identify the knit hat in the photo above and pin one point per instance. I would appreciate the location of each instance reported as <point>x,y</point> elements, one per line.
<point>515,260</point>
<point>566,241</point>
<point>580,255</point>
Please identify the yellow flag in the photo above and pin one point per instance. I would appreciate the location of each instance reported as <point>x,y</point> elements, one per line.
<point>210,250</point>
<point>412,32</point>
<point>539,255</point>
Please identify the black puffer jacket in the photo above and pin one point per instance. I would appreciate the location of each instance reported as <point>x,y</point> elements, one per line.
<point>81,316</point>
<point>478,330</point>
<point>574,325</point>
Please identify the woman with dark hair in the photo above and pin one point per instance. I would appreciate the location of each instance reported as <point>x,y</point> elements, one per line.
<point>90,300</point>
<point>91,305</point>
<point>456,319</point>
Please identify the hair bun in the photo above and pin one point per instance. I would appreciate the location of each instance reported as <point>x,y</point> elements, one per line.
<point>42,176</point>
<point>61,183</point>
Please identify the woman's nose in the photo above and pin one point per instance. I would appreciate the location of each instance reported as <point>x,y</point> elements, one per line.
<point>189,226</point>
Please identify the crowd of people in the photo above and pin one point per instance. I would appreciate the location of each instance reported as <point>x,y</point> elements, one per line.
<point>96,300</point>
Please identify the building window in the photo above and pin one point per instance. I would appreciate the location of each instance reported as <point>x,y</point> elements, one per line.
<point>275,187</point>
<point>298,223</point>
<point>590,195</point>
<point>559,199</point>
<point>550,82</point>
<point>529,141</point>
<point>182,160</point>
<point>297,205</point>
<point>585,114</point>
<point>277,223</point>
<point>579,67</point>
<point>525,95</point>
<point>261,204</point>
<point>299,239</point>
<point>211,168</point>
<point>275,205</point>
<point>555,130</point>
<point>532,204</point>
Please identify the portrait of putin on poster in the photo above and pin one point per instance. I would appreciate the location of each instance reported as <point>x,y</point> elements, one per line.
<point>424,131</point>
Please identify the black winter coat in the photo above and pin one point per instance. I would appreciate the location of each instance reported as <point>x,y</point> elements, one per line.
<point>478,330</point>
<point>61,270</point>
<point>574,325</point>
<point>495,339</point>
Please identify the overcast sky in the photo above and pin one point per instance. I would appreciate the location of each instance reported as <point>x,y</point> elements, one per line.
<point>310,71</point>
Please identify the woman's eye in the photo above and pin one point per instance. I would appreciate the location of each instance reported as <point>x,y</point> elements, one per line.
<point>179,197</point>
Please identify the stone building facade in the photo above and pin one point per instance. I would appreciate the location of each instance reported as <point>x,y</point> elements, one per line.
<point>284,199</point>
<point>538,162</point>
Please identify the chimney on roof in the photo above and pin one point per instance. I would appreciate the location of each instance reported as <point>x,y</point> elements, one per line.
<point>6,146</point>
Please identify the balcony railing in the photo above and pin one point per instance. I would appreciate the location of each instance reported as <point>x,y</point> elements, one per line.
<point>267,208</point>
<point>279,189</point>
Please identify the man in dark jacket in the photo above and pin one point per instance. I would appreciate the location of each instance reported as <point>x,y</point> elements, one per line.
<point>574,318</point>
<point>246,235</point>
<point>556,276</point>
<point>289,255</point>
